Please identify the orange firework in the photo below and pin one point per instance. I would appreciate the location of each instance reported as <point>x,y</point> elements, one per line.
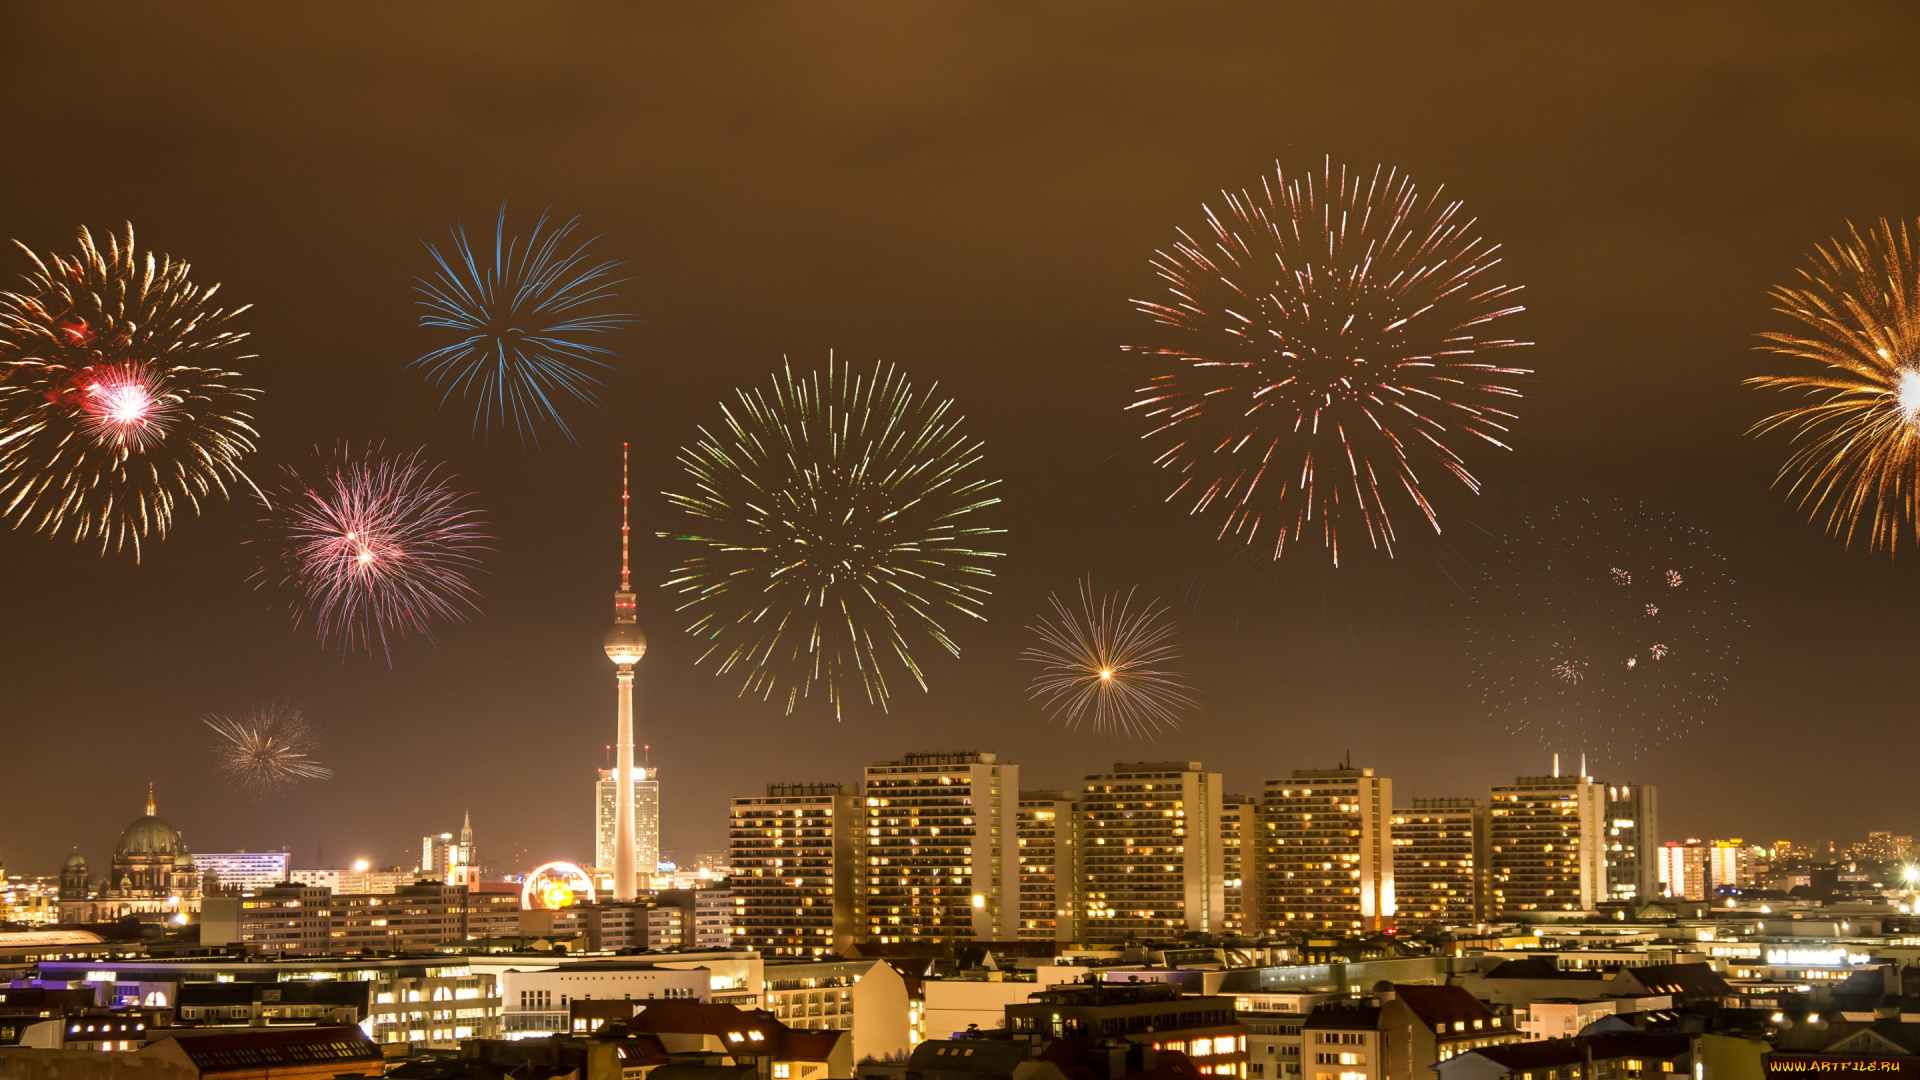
<point>1323,358</point>
<point>1856,445</point>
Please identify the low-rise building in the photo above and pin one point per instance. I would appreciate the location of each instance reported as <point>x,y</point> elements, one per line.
<point>867,998</point>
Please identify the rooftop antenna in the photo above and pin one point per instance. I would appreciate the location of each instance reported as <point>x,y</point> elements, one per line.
<point>624,528</point>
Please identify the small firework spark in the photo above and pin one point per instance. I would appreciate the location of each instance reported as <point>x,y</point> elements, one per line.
<point>525,321</point>
<point>1567,614</point>
<point>1856,443</point>
<point>1322,360</point>
<point>372,547</point>
<point>838,522</point>
<point>267,750</point>
<point>116,410</point>
<point>1108,662</point>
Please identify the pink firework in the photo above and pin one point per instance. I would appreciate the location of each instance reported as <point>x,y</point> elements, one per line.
<point>1652,610</point>
<point>1674,579</point>
<point>1659,652</point>
<point>374,547</point>
<point>1622,577</point>
<point>1570,671</point>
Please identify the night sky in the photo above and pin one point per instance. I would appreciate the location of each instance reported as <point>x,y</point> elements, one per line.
<point>970,191</point>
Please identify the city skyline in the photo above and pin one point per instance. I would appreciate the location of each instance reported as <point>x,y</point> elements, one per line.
<point>863,206</point>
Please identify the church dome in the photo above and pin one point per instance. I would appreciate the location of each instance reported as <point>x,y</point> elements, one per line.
<point>149,835</point>
<point>75,861</point>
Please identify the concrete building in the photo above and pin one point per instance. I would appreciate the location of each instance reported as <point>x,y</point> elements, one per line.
<point>1050,892</point>
<point>942,848</point>
<point>1440,854</point>
<point>1274,1023</point>
<point>1326,851</point>
<point>1148,1015</point>
<point>1683,870</point>
<point>1633,842</point>
<point>1239,848</point>
<point>867,998</point>
<point>1342,1040</point>
<point>536,999</point>
<point>646,820</point>
<point>796,880</point>
<point>449,859</point>
<point>1150,852</point>
<point>305,920</point>
<point>244,870</point>
<point>1549,846</point>
<point>1728,865</point>
<point>713,918</point>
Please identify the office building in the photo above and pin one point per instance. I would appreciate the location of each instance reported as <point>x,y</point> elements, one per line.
<point>1549,845</point>
<point>942,852</point>
<point>1150,852</point>
<point>245,871</point>
<point>305,920</point>
<point>1440,850</point>
<point>646,820</point>
<point>1326,851</point>
<point>355,881</point>
<point>1239,840</point>
<point>1633,842</point>
<point>796,869</point>
<point>1045,826</point>
<point>713,918</point>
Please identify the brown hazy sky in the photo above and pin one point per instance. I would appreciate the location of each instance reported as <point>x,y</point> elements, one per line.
<point>971,191</point>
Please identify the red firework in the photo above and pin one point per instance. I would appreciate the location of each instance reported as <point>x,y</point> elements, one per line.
<point>1323,360</point>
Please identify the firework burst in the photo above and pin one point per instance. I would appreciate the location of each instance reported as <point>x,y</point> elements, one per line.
<point>116,408</point>
<point>1856,445</point>
<point>1322,359</point>
<point>373,547</point>
<point>267,750</point>
<point>1108,662</point>
<point>836,531</point>
<point>1604,628</point>
<point>525,322</point>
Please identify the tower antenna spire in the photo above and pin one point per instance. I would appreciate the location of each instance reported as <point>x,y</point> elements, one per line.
<point>624,528</point>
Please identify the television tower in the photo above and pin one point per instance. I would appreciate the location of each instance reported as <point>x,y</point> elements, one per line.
<point>625,646</point>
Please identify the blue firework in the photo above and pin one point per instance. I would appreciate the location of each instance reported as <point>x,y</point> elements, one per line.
<point>527,319</point>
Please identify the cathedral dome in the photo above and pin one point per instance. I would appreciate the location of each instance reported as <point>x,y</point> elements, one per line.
<point>75,861</point>
<point>149,835</point>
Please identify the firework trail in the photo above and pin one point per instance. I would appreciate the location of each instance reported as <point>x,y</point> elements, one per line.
<point>1604,628</point>
<point>116,408</point>
<point>835,532</point>
<point>1110,661</point>
<point>1856,445</point>
<point>267,750</point>
<point>373,547</point>
<point>1322,359</point>
<point>525,321</point>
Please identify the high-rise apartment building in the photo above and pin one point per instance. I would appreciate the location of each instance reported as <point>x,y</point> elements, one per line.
<point>1326,850</point>
<point>1549,845</point>
<point>646,820</point>
<point>1633,842</point>
<point>1440,854</point>
<point>942,851</point>
<point>1046,830</point>
<point>1239,840</point>
<point>1684,873</point>
<point>1150,851</point>
<point>1728,865</point>
<point>796,869</point>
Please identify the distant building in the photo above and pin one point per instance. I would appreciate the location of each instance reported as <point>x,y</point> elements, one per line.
<point>244,870</point>
<point>1683,870</point>
<point>451,860</point>
<point>942,850</point>
<point>1150,851</point>
<point>865,997</point>
<point>1326,851</point>
<point>796,868</point>
<point>646,821</point>
<point>1239,855</point>
<point>1050,892</point>
<point>1549,845</point>
<point>1440,853</point>
<point>713,918</point>
<point>152,877</point>
<point>1729,865</point>
<point>1633,842</point>
<point>1152,1016</point>
<point>304,920</point>
<point>355,881</point>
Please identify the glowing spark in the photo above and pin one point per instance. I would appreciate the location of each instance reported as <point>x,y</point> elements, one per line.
<point>836,528</point>
<point>267,750</point>
<point>1108,662</point>
<point>1674,579</point>
<point>524,321</point>
<point>373,547</point>
<point>1323,355</point>
<point>1856,439</point>
<point>115,407</point>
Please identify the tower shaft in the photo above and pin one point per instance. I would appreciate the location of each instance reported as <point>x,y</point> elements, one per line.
<point>625,883</point>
